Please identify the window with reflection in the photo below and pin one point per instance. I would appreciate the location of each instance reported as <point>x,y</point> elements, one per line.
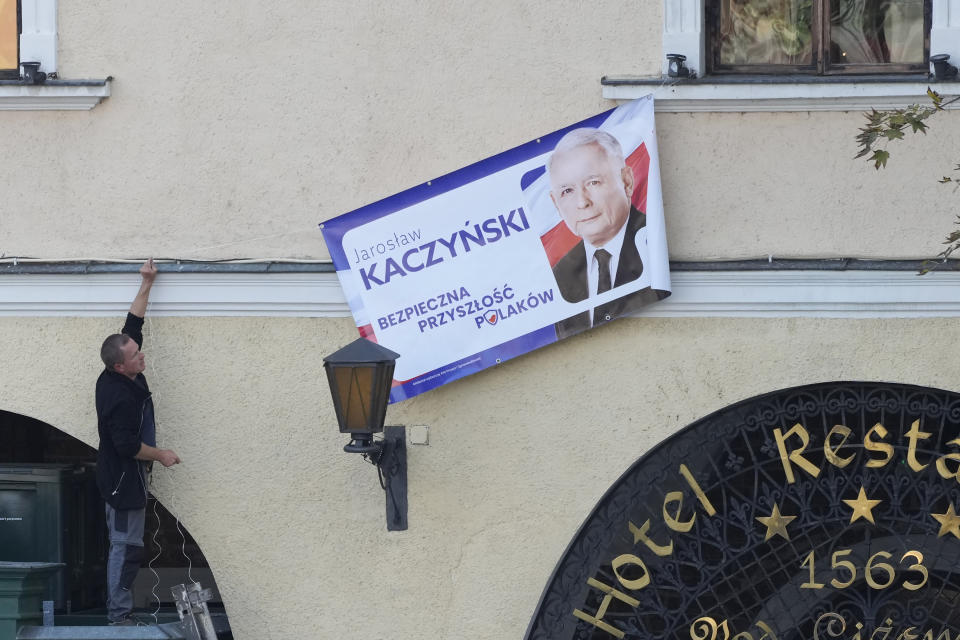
<point>818,36</point>
<point>9,39</point>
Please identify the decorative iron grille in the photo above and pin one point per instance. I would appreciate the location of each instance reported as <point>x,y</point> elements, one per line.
<point>736,528</point>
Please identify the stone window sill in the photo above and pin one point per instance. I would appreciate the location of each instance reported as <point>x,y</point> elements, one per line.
<point>54,95</point>
<point>777,93</point>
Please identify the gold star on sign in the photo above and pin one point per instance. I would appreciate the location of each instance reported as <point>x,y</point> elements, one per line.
<point>949,522</point>
<point>776,524</point>
<point>862,508</point>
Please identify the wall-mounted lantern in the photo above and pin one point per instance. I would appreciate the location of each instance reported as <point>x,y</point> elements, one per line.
<point>360,376</point>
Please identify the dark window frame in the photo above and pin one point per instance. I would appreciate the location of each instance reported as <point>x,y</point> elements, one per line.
<point>821,64</point>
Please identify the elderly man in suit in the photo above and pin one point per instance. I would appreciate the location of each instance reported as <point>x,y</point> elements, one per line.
<point>591,186</point>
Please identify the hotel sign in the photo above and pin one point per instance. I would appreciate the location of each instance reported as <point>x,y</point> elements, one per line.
<point>830,511</point>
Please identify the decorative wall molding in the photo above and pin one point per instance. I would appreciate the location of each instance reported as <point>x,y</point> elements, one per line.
<point>746,294</point>
<point>683,25</point>
<point>945,29</point>
<point>704,96</point>
<point>38,33</point>
<point>175,294</point>
<point>815,294</point>
<point>53,96</point>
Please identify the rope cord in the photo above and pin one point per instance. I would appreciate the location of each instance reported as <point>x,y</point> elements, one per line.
<point>173,492</point>
<point>157,374</point>
<point>4,258</point>
<point>156,576</point>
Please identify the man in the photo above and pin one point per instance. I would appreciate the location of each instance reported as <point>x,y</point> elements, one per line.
<point>128,447</point>
<point>591,187</point>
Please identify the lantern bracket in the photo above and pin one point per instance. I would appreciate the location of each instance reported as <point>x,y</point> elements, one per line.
<point>392,466</point>
<point>389,455</point>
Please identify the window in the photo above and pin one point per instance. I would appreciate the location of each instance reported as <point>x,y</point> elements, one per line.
<point>28,33</point>
<point>9,39</point>
<point>822,37</point>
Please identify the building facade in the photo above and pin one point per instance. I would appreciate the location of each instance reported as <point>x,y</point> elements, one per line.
<point>216,137</point>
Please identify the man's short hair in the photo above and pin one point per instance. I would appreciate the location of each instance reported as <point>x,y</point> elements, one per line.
<point>588,135</point>
<point>110,351</point>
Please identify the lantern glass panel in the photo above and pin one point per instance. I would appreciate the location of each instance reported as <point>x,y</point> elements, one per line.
<point>355,389</point>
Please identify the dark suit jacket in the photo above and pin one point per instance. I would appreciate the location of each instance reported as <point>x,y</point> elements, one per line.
<point>571,275</point>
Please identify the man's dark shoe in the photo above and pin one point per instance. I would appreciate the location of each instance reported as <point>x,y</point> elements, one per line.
<point>129,621</point>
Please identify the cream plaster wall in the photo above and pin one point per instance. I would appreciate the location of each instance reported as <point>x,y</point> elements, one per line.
<point>233,130</point>
<point>749,185</point>
<point>294,528</point>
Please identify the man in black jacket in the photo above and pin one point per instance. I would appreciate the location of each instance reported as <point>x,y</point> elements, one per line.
<point>128,447</point>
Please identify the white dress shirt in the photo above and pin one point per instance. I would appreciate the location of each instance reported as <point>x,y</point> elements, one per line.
<point>593,267</point>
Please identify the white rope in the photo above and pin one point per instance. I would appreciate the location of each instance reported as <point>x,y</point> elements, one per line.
<point>156,373</point>
<point>22,259</point>
<point>156,576</point>
<point>4,258</point>
<point>154,339</point>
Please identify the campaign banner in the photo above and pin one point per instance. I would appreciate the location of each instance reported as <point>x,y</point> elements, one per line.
<point>515,252</point>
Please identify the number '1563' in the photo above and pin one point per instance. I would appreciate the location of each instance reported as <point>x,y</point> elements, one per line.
<point>878,572</point>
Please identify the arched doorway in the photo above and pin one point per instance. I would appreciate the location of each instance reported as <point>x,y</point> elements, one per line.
<point>823,511</point>
<point>51,511</point>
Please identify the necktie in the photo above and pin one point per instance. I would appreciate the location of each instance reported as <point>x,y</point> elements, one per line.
<point>603,261</point>
<point>603,281</point>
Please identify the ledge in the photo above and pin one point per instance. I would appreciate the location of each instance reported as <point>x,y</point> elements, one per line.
<point>54,95</point>
<point>21,266</point>
<point>776,93</point>
<point>36,266</point>
<point>740,293</point>
<point>193,294</point>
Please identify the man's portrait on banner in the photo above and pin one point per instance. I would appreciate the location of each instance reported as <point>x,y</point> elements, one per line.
<point>599,195</point>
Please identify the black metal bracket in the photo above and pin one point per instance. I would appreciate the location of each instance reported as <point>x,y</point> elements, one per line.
<point>943,70</point>
<point>393,468</point>
<point>32,73</point>
<point>676,68</point>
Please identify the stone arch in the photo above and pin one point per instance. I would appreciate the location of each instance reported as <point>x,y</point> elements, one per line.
<point>39,464</point>
<point>826,510</point>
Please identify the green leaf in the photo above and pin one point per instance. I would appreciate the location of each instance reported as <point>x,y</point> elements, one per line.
<point>935,97</point>
<point>897,119</point>
<point>893,134</point>
<point>879,158</point>
<point>945,179</point>
<point>928,266</point>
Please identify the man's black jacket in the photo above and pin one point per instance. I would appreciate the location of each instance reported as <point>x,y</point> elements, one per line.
<point>122,404</point>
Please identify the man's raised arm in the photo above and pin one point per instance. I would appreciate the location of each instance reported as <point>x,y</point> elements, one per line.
<point>148,273</point>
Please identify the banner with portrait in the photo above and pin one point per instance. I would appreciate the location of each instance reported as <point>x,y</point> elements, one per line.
<point>515,252</point>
